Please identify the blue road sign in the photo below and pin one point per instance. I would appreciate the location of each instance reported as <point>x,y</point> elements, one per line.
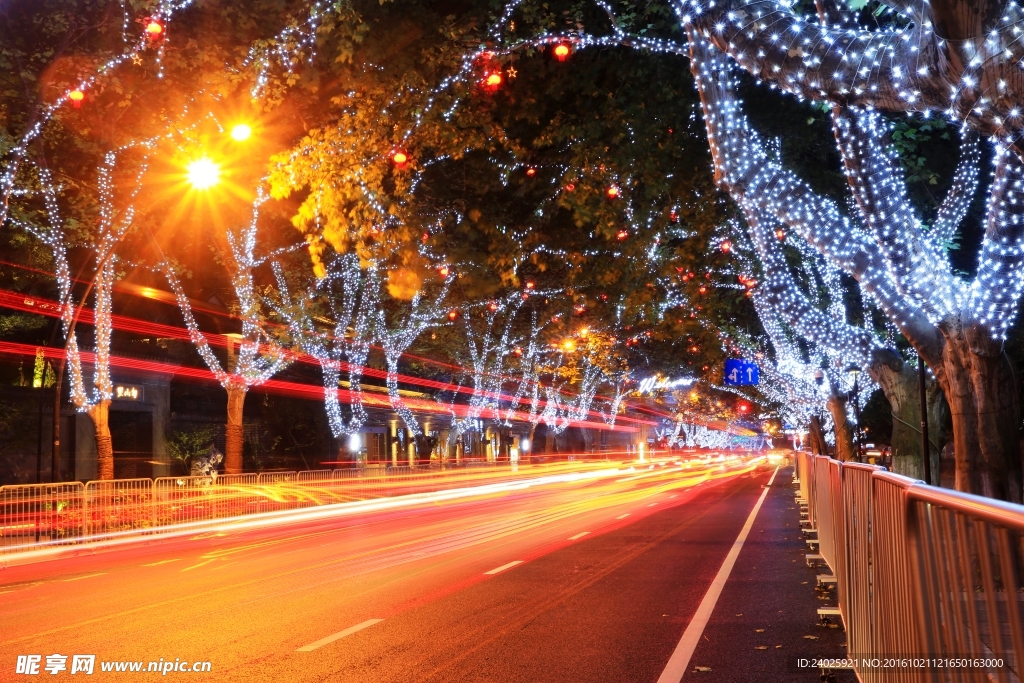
<point>740,372</point>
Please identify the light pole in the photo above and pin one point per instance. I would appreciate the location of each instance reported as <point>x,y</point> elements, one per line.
<point>926,455</point>
<point>816,434</point>
<point>854,372</point>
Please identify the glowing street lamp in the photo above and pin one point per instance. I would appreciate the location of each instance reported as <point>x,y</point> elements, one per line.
<point>241,132</point>
<point>203,173</point>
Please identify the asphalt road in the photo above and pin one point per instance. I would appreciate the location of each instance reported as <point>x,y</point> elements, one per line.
<point>583,581</point>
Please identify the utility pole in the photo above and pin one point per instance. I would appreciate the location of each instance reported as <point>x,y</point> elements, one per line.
<point>925,450</point>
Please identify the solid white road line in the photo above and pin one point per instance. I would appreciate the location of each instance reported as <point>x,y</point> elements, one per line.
<point>156,564</point>
<point>197,566</point>
<point>623,516</point>
<point>504,567</point>
<point>339,635</point>
<point>578,536</point>
<point>79,578</point>
<point>680,659</point>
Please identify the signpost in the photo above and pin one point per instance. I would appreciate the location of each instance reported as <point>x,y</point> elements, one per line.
<point>740,372</point>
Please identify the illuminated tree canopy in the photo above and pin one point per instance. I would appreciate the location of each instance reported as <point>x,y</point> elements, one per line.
<point>541,196</point>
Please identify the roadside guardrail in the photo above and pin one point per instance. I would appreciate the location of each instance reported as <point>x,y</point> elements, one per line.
<point>930,582</point>
<point>67,513</point>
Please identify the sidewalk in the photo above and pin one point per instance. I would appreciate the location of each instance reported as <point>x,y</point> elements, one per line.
<point>766,618</point>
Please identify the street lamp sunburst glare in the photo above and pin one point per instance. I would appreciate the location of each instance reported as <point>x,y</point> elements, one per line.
<point>203,173</point>
<point>241,132</point>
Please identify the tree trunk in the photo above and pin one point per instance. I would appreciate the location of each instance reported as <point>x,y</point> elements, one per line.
<point>397,403</point>
<point>899,382</point>
<point>844,429</point>
<point>815,439</point>
<point>588,440</point>
<point>424,446</point>
<point>451,443</point>
<point>100,414</point>
<point>233,442</point>
<point>981,386</point>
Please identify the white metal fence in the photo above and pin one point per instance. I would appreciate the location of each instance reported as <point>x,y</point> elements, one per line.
<point>930,581</point>
<point>73,512</point>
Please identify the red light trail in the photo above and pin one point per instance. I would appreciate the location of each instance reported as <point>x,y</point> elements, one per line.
<point>43,306</point>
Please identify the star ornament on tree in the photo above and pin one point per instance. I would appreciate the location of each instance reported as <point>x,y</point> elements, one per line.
<point>512,73</point>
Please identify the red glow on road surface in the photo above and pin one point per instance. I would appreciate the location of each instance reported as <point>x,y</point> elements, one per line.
<point>303,594</point>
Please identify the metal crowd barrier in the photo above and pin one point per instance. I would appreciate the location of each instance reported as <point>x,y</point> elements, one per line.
<point>68,512</point>
<point>41,512</point>
<point>930,581</point>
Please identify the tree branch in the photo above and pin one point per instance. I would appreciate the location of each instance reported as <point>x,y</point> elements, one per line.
<point>757,183</point>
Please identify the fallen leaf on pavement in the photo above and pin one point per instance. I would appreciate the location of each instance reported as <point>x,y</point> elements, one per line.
<point>702,668</point>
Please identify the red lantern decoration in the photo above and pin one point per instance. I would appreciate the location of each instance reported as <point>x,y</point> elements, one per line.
<point>530,172</point>
<point>443,270</point>
<point>622,235</point>
<point>453,315</point>
<point>726,246</point>
<point>702,289</point>
<point>612,191</point>
<point>76,96</point>
<point>580,309</point>
<point>517,351</point>
<point>154,28</point>
<point>399,158</point>
<point>570,187</point>
<point>780,233</point>
<point>561,52</point>
<point>493,306</point>
<point>530,284</point>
